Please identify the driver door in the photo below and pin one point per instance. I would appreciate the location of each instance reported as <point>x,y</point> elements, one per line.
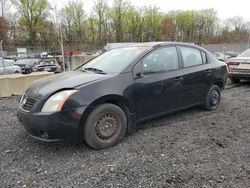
<point>158,83</point>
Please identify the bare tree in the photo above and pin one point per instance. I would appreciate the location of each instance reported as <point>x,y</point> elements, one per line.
<point>4,7</point>
<point>100,9</point>
<point>73,17</point>
<point>33,14</point>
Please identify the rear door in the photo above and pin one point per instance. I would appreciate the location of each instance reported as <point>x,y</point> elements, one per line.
<point>158,83</point>
<point>197,75</point>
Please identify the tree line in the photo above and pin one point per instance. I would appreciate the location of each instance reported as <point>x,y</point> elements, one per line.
<point>37,24</point>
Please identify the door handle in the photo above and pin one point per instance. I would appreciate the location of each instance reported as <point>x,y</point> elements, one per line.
<point>178,79</point>
<point>139,75</point>
<point>208,71</point>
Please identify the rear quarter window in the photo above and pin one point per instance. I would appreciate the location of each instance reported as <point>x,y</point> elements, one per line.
<point>211,58</point>
<point>204,57</point>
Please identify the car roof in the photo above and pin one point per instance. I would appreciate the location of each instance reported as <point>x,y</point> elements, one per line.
<point>156,44</point>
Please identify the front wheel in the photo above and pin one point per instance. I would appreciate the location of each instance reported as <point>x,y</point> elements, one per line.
<point>213,98</point>
<point>105,126</point>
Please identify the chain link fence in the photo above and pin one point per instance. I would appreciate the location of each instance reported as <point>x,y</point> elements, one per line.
<point>235,47</point>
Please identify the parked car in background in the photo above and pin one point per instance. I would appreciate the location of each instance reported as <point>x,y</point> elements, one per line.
<point>231,54</point>
<point>11,61</point>
<point>9,68</point>
<point>26,65</point>
<point>106,97</point>
<point>239,67</point>
<point>50,65</point>
<point>11,57</point>
<point>220,56</point>
<point>34,56</point>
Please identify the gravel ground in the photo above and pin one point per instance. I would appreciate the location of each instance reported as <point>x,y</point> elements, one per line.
<point>193,148</point>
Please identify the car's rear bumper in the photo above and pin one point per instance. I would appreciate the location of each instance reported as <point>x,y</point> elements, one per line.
<point>239,74</point>
<point>53,127</point>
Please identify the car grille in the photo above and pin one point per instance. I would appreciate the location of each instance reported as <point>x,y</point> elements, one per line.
<point>27,103</point>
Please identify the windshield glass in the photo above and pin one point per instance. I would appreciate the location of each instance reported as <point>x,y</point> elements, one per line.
<point>114,61</point>
<point>24,61</point>
<point>245,53</point>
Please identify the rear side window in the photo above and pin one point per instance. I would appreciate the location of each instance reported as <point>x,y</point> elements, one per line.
<point>191,56</point>
<point>163,59</point>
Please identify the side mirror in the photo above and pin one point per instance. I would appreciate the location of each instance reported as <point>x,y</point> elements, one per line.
<point>139,75</point>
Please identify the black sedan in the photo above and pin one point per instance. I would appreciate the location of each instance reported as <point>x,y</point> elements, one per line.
<point>26,65</point>
<point>108,96</point>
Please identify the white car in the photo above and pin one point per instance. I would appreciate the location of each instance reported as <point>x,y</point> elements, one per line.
<point>239,67</point>
<point>9,68</point>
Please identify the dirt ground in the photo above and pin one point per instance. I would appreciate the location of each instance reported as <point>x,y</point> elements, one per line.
<point>193,148</point>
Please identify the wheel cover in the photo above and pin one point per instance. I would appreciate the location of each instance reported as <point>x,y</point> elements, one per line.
<point>215,98</point>
<point>108,127</point>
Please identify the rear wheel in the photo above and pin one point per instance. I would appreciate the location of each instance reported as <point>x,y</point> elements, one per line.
<point>213,98</point>
<point>234,80</point>
<point>105,126</point>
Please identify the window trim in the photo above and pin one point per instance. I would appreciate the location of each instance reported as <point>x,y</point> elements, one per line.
<point>202,51</point>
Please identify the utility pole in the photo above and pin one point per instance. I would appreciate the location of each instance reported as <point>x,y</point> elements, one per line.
<point>1,48</point>
<point>62,48</point>
<point>61,37</point>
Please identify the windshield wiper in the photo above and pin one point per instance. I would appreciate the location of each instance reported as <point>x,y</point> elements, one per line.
<point>94,70</point>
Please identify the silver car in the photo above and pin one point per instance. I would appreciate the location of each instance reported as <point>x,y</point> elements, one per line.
<point>239,67</point>
<point>9,68</point>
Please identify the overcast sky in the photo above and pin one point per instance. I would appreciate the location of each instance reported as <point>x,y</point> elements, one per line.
<point>224,8</point>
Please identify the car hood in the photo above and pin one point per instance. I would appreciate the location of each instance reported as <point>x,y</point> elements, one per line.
<point>49,85</point>
<point>239,59</point>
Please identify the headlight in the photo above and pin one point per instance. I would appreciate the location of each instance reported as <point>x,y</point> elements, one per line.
<point>56,101</point>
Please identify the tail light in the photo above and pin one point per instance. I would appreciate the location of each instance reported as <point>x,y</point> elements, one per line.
<point>233,63</point>
<point>58,68</point>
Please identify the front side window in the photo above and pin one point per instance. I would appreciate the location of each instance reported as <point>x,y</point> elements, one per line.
<point>164,59</point>
<point>191,56</point>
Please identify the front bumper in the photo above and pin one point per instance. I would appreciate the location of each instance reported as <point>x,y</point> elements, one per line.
<point>53,127</point>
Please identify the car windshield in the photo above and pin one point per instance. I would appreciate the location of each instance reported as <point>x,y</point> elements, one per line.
<point>114,61</point>
<point>47,63</point>
<point>24,61</point>
<point>245,53</point>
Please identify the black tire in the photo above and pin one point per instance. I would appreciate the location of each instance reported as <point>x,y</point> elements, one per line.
<point>16,72</point>
<point>105,126</point>
<point>213,98</point>
<point>235,80</point>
